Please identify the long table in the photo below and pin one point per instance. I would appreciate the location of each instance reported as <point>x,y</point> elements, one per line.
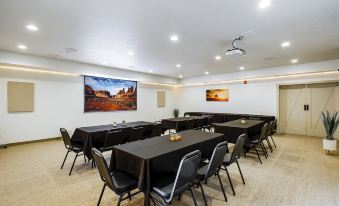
<point>94,136</point>
<point>233,129</point>
<point>147,159</point>
<point>180,123</point>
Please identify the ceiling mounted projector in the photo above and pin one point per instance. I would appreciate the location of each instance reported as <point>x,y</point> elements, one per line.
<point>236,51</point>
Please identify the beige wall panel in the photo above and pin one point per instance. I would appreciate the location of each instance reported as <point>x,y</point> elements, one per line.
<point>20,96</point>
<point>161,96</point>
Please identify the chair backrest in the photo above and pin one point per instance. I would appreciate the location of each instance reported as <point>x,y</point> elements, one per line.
<point>113,137</point>
<point>264,130</point>
<point>136,134</point>
<point>103,168</point>
<point>66,138</point>
<point>238,148</point>
<point>156,130</point>
<point>209,120</point>
<point>274,126</point>
<point>186,173</point>
<point>269,127</point>
<point>216,160</point>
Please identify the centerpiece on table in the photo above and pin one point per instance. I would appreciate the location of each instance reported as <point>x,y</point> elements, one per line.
<point>330,123</point>
<point>175,137</point>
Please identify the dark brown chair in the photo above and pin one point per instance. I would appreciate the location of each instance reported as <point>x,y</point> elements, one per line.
<point>119,182</point>
<point>113,138</point>
<point>135,134</point>
<point>71,146</point>
<point>258,141</point>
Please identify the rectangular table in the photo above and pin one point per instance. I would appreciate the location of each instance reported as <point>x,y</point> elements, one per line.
<point>233,129</point>
<point>179,123</point>
<point>150,158</point>
<point>94,136</point>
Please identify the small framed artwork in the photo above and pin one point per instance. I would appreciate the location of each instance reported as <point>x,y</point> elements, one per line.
<point>217,95</point>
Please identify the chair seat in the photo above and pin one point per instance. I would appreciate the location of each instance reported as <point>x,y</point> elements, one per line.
<point>123,182</point>
<point>77,147</point>
<point>227,159</point>
<point>105,149</point>
<point>163,187</point>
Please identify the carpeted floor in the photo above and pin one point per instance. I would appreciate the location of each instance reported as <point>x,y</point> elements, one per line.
<point>298,172</point>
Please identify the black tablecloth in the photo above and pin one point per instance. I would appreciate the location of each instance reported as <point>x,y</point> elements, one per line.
<point>179,123</point>
<point>233,129</point>
<point>94,136</point>
<point>151,158</point>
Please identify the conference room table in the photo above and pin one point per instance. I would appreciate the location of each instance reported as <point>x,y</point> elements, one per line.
<point>150,159</point>
<point>233,129</point>
<point>94,136</point>
<point>180,123</point>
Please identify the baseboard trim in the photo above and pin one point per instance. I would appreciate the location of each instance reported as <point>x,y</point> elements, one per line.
<point>29,142</point>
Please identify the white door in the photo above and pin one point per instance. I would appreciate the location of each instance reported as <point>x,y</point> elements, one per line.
<point>301,106</point>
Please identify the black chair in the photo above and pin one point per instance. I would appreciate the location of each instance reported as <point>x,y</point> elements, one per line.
<point>257,141</point>
<point>117,181</point>
<point>199,123</point>
<point>273,131</point>
<point>230,158</point>
<point>268,131</point>
<point>71,146</point>
<point>212,168</point>
<point>156,130</point>
<point>113,138</point>
<point>135,134</point>
<point>168,187</point>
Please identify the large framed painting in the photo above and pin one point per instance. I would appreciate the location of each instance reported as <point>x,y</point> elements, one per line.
<point>106,94</point>
<point>217,95</point>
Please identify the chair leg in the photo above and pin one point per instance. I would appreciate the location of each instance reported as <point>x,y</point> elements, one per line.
<point>203,193</point>
<point>64,159</point>
<point>222,187</point>
<point>120,199</point>
<point>243,180</point>
<point>269,144</point>
<point>229,179</point>
<point>179,197</point>
<point>193,197</point>
<point>263,149</point>
<point>129,196</point>
<point>273,141</point>
<point>85,158</point>
<point>102,192</point>
<point>75,158</point>
<point>255,147</point>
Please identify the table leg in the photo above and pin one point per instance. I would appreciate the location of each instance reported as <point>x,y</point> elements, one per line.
<point>147,201</point>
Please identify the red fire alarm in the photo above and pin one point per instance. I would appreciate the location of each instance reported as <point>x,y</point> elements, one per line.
<point>245,82</point>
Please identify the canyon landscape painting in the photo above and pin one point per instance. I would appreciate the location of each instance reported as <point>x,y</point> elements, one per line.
<point>105,94</point>
<point>217,95</point>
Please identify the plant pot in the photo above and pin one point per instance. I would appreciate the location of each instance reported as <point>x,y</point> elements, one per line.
<point>330,145</point>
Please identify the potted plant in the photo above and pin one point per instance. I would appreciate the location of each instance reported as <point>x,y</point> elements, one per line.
<point>330,124</point>
<point>176,113</point>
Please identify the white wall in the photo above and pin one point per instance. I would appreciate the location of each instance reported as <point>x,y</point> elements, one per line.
<point>59,103</point>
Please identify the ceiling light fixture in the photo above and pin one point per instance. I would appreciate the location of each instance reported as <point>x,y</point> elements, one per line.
<point>32,27</point>
<point>217,57</point>
<point>285,44</point>
<point>130,53</point>
<point>207,72</point>
<point>21,46</point>
<point>180,76</point>
<point>293,61</point>
<point>104,63</point>
<point>150,71</point>
<point>178,65</point>
<point>241,68</point>
<point>174,38</point>
<point>264,4</point>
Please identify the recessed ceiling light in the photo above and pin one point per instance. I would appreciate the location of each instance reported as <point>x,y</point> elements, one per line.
<point>150,71</point>
<point>264,4</point>
<point>21,46</point>
<point>174,38</point>
<point>104,63</point>
<point>241,68</point>
<point>130,53</point>
<point>180,76</point>
<point>32,27</point>
<point>293,61</point>
<point>178,65</point>
<point>285,44</point>
<point>217,57</point>
<point>207,73</point>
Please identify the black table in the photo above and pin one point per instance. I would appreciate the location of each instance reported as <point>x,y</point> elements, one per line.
<point>94,136</point>
<point>158,156</point>
<point>179,123</point>
<point>233,129</point>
